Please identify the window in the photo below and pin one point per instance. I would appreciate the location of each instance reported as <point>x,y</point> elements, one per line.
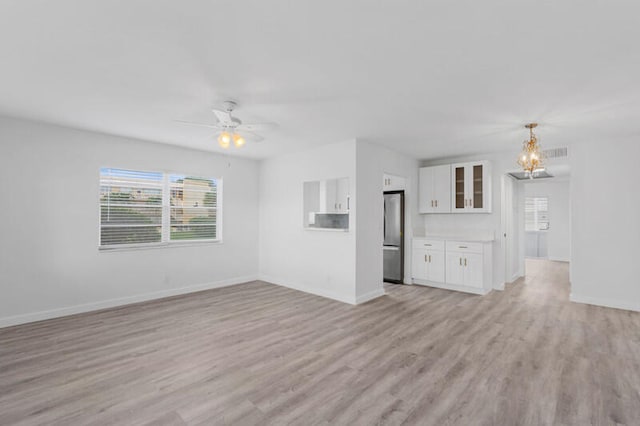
<point>153,208</point>
<point>536,211</point>
<point>194,210</point>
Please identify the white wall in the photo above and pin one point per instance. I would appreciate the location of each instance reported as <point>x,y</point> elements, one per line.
<point>345,266</point>
<point>318,262</point>
<point>373,161</point>
<point>49,259</point>
<point>605,219</point>
<point>559,233</point>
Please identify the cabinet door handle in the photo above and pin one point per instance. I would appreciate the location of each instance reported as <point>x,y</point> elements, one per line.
<point>465,261</point>
<point>429,258</point>
<point>428,245</point>
<point>460,259</point>
<point>348,199</point>
<point>463,247</point>
<point>425,257</point>
<point>436,203</point>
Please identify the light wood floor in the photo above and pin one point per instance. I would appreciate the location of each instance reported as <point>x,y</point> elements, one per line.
<point>262,354</point>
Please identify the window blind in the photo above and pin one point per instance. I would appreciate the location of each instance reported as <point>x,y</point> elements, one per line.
<point>536,210</point>
<point>194,208</point>
<point>140,208</point>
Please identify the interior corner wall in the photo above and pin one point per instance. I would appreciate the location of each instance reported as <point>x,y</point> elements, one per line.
<point>372,162</point>
<point>50,264</point>
<point>314,261</point>
<point>605,234</point>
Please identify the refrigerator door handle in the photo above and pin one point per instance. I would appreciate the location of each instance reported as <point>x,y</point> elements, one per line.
<point>384,222</point>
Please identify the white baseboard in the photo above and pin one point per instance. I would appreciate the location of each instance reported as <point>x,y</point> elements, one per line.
<point>370,296</point>
<point>559,259</point>
<point>608,303</point>
<point>111,303</point>
<point>465,289</point>
<point>513,279</point>
<point>305,289</point>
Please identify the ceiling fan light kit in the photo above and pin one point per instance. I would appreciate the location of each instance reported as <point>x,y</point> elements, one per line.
<point>531,159</point>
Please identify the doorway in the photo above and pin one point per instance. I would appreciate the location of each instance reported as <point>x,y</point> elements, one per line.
<point>536,223</point>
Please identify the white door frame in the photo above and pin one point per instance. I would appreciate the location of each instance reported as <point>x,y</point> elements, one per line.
<point>508,222</point>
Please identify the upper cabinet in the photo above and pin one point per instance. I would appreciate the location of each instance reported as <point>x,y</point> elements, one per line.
<point>455,188</point>
<point>471,187</point>
<point>334,196</point>
<point>435,189</point>
<point>393,183</point>
<point>326,204</point>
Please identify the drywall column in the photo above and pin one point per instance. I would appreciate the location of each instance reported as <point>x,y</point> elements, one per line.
<point>605,233</point>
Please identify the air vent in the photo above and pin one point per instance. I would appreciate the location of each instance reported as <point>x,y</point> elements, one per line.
<point>556,152</point>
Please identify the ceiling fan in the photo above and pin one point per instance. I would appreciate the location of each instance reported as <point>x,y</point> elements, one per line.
<point>232,129</point>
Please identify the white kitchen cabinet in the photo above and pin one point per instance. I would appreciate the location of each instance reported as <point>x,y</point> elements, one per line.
<point>418,264</point>
<point>334,196</point>
<point>473,270</point>
<point>455,273</point>
<point>464,269</point>
<point>471,187</point>
<point>428,260</point>
<point>435,266</point>
<point>434,189</point>
<point>452,264</point>
<point>393,183</point>
<point>428,265</point>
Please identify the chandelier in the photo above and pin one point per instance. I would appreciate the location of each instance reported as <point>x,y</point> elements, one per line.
<point>531,158</point>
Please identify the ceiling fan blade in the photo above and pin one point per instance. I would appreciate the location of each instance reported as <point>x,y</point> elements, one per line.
<point>252,137</point>
<point>191,123</point>
<point>224,117</point>
<point>251,127</point>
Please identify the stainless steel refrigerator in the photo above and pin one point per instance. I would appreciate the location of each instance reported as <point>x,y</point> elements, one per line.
<point>393,247</point>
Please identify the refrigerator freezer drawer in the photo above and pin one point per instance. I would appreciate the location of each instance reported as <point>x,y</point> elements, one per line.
<point>392,259</point>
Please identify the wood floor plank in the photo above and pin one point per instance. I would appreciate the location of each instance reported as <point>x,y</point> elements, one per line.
<point>262,354</point>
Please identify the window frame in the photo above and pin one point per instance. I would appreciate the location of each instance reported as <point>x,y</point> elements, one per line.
<point>536,214</point>
<point>165,225</point>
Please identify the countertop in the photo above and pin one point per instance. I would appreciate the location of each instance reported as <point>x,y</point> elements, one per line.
<point>469,238</point>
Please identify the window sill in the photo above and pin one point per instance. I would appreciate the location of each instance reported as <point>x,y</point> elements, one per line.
<point>159,246</point>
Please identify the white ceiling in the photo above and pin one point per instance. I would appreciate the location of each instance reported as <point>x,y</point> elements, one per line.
<point>428,78</point>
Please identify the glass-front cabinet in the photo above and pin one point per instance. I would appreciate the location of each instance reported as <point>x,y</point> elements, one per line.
<point>471,187</point>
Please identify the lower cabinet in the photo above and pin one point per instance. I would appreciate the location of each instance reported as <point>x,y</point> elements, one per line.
<point>455,265</point>
<point>464,269</point>
<point>428,265</point>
